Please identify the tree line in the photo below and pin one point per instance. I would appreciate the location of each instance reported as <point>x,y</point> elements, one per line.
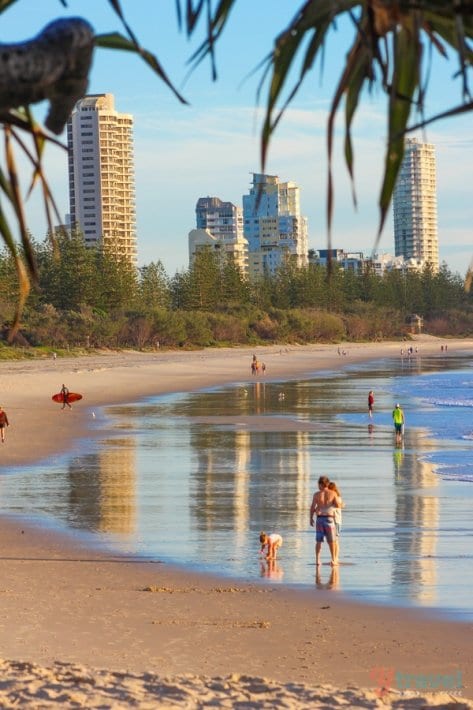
<point>87,298</point>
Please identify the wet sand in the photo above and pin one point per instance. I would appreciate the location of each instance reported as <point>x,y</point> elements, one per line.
<point>173,638</point>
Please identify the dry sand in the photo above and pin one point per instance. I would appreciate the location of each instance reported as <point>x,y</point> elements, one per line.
<point>172,638</point>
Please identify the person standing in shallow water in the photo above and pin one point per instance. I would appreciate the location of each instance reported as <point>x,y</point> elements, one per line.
<point>323,505</point>
<point>398,419</point>
<point>337,517</point>
<point>370,403</point>
<point>270,544</point>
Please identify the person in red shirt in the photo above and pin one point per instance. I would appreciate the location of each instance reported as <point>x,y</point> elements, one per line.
<point>370,403</point>
<point>3,423</point>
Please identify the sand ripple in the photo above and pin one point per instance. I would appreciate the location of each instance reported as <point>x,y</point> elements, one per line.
<point>67,685</point>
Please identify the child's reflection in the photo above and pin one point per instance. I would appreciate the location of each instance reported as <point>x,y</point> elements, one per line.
<point>271,569</point>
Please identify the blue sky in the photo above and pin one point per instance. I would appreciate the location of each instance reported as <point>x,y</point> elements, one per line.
<point>211,146</point>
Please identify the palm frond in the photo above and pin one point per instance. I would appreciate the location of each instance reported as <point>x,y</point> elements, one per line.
<point>216,23</point>
<point>4,4</point>
<point>455,111</point>
<point>358,77</point>
<point>407,52</point>
<point>17,202</point>
<point>22,274</point>
<point>38,174</point>
<point>115,40</point>
<point>25,264</point>
<point>356,72</point>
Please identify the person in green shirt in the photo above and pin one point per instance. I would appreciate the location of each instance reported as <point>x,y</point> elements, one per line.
<point>398,419</point>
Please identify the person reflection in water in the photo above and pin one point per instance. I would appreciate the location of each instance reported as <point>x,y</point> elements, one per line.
<point>398,457</point>
<point>333,581</point>
<point>271,569</point>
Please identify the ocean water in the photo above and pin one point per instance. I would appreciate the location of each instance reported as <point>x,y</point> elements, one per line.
<point>192,478</point>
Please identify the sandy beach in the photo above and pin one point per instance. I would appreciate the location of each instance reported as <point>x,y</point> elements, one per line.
<point>83,628</point>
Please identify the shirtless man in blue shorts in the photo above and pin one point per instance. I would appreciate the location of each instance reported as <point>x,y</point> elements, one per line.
<point>323,505</point>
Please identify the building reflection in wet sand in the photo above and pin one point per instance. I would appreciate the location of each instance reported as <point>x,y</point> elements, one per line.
<point>102,493</point>
<point>416,521</point>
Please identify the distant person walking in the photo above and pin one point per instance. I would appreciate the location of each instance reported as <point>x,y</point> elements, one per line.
<point>323,505</point>
<point>65,397</point>
<point>398,419</point>
<point>370,403</point>
<point>3,423</point>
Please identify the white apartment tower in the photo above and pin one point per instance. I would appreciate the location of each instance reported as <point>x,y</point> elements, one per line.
<point>415,205</point>
<point>273,225</point>
<point>101,175</point>
<point>220,226</point>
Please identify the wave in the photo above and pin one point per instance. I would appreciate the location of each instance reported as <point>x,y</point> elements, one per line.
<point>457,476</point>
<point>465,403</point>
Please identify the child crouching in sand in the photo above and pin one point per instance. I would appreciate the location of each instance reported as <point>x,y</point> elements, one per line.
<point>272,543</point>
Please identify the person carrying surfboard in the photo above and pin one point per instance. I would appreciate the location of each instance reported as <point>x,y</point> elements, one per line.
<point>3,423</point>
<point>65,397</point>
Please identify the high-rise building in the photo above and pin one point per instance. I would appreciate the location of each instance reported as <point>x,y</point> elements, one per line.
<point>273,225</point>
<point>220,226</point>
<point>101,175</point>
<point>415,205</point>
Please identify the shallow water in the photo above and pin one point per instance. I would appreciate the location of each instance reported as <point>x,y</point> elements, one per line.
<point>192,478</point>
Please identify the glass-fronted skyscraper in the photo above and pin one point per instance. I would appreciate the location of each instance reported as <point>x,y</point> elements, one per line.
<point>220,225</point>
<point>273,225</point>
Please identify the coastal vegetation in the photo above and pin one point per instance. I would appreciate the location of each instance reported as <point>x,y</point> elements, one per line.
<point>86,298</point>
